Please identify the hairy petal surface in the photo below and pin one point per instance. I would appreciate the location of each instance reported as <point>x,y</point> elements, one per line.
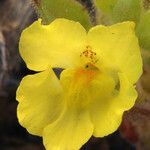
<point>40,101</point>
<point>56,45</point>
<point>82,86</point>
<point>118,49</point>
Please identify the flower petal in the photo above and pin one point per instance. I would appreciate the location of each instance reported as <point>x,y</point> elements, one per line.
<point>117,47</point>
<point>107,114</point>
<point>42,46</point>
<point>82,87</point>
<point>69,132</point>
<point>40,101</point>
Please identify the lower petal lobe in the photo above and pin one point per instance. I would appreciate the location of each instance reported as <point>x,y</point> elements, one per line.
<point>70,131</point>
<point>106,114</point>
<point>40,101</point>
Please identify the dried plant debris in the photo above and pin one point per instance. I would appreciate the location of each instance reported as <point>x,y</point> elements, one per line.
<point>136,125</point>
<point>13,21</point>
<point>15,15</point>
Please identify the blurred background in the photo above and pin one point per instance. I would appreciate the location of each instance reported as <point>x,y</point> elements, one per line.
<point>15,15</point>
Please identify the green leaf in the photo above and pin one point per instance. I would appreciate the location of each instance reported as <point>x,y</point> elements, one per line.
<point>143,30</point>
<point>127,10</point>
<point>69,9</point>
<point>105,5</point>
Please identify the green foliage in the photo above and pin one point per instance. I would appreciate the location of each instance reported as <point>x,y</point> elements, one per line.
<point>127,10</point>
<point>143,30</point>
<point>69,9</point>
<point>106,5</point>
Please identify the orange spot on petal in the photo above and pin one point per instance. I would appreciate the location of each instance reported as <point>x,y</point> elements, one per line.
<point>84,75</point>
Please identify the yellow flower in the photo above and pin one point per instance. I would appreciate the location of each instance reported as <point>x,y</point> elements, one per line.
<point>96,87</point>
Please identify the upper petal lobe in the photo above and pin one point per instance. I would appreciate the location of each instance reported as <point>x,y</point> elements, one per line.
<point>57,44</point>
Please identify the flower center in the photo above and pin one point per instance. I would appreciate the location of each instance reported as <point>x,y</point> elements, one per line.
<point>88,69</point>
